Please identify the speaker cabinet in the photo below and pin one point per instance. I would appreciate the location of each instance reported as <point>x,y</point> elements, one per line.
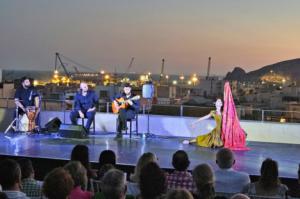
<point>72,131</point>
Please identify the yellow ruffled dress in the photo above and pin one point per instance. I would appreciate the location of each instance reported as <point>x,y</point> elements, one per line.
<point>213,138</point>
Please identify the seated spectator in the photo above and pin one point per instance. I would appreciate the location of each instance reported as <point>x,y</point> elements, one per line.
<point>179,194</point>
<point>294,191</point>
<point>204,179</point>
<point>227,180</point>
<point>269,183</point>
<point>81,153</point>
<point>58,184</point>
<point>181,178</point>
<point>10,179</point>
<point>106,157</point>
<point>113,186</point>
<point>239,196</point>
<point>152,182</point>
<point>133,188</point>
<point>30,186</point>
<point>104,169</point>
<point>79,176</point>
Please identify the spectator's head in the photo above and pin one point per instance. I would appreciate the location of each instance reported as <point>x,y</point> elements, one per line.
<point>152,181</point>
<point>114,184</point>
<point>239,196</point>
<point>204,179</point>
<point>58,184</point>
<point>269,174</point>
<point>180,160</point>
<point>179,194</point>
<point>81,153</point>
<point>225,158</point>
<point>143,160</point>
<point>104,169</point>
<point>107,157</point>
<point>78,173</point>
<point>84,87</point>
<point>10,175</point>
<point>27,170</point>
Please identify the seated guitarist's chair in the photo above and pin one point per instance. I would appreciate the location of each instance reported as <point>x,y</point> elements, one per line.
<point>135,119</point>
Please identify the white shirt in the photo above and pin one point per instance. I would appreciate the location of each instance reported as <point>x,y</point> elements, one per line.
<point>230,181</point>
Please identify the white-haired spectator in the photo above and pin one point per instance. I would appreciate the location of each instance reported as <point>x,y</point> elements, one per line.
<point>79,176</point>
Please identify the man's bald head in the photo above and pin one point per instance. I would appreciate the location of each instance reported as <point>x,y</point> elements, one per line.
<point>84,86</point>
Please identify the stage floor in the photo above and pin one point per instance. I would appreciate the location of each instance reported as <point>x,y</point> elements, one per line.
<point>129,150</point>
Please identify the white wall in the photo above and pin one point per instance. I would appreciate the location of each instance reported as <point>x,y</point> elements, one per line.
<point>180,126</point>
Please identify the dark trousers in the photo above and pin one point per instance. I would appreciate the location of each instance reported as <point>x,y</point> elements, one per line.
<point>74,115</point>
<point>124,115</point>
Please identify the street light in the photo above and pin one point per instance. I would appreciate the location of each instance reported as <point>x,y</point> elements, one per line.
<point>194,80</point>
<point>174,82</point>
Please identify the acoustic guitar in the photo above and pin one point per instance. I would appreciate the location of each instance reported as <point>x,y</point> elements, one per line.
<point>123,103</point>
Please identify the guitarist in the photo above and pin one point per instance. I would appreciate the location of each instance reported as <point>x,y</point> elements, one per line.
<point>125,113</point>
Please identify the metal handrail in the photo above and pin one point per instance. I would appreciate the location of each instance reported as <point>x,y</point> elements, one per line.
<point>105,107</point>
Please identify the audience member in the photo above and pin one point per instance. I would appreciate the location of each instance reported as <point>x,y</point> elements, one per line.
<point>239,196</point>
<point>81,153</point>
<point>269,183</point>
<point>106,157</point>
<point>179,194</point>
<point>181,178</point>
<point>152,182</point>
<point>10,179</point>
<point>104,168</point>
<point>294,190</point>
<point>227,180</point>
<point>132,185</point>
<point>113,186</point>
<point>30,186</point>
<point>204,179</point>
<point>79,176</point>
<point>58,184</point>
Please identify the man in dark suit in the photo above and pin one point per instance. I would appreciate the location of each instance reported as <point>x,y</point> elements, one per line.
<point>85,103</point>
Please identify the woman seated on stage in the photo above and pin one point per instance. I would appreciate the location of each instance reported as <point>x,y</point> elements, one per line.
<point>228,131</point>
<point>212,139</point>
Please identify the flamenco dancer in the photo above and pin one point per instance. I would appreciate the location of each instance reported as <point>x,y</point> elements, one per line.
<point>228,133</point>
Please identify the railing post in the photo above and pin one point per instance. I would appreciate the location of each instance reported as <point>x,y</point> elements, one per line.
<point>144,109</point>
<point>7,102</point>
<point>107,107</point>
<point>181,110</point>
<point>262,115</point>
